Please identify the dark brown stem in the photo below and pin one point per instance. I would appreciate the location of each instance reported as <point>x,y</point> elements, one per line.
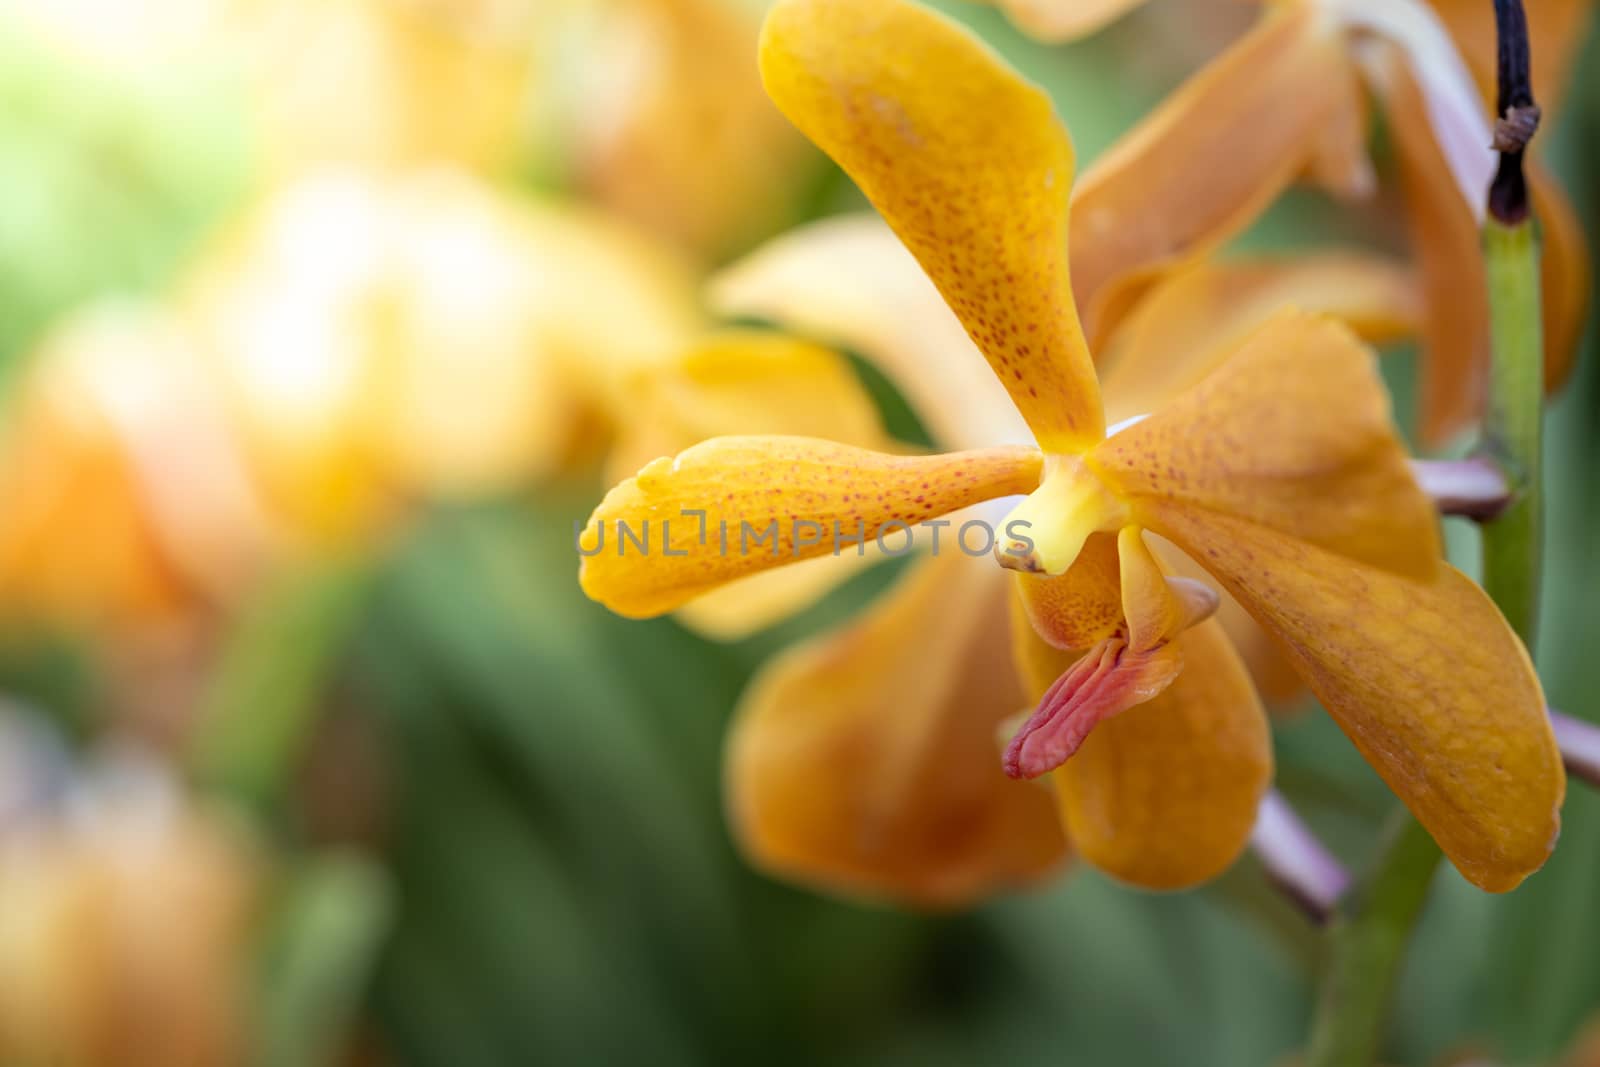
<point>1517,115</point>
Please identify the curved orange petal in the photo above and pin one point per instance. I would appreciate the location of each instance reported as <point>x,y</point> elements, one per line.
<point>1424,676</point>
<point>866,761</point>
<point>848,281</point>
<point>1444,238</point>
<point>1565,275</point>
<point>1274,676</point>
<point>1292,431</point>
<point>1165,794</point>
<point>1064,20</point>
<point>969,165</point>
<point>735,506</point>
<point>1178,333</point>
<point>1208,160</point>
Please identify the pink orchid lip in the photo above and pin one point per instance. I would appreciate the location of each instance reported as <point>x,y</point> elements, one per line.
<point>1108,680</point>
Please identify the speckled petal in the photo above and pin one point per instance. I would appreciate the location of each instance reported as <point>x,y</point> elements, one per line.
<point>1425,677</point>
<point>1292,431</point>
<point>970,166</point>
<point>779,499</point>
<point>865,762</point>
<point>1082,607</point>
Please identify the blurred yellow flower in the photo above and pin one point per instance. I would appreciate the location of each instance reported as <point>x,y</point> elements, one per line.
<point>1310,518</point>
<point>655,110</point>
<point>359,343</point>
<point>125,932</point>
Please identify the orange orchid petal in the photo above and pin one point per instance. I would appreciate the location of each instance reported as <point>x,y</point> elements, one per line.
<point>1444,236</point>
<point>1565,275</point>
<point>779,499</point>
<point>1208,160</point>
<point>1178,333</point>
<point>1165,794</point>
<point>1292,431</point>
<point>1455,287</point>
<point>1064,20</point>
<point>1425,678</point>
<point>865,761</point>
<point>1274,676</point>
<point>848,281</point>
<point>969,165</point>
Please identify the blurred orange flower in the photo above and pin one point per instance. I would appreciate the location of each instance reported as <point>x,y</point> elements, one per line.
<point>125,932</point>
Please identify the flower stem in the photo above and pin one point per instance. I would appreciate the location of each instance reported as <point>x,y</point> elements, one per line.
<point>1369,939</point>
<point>1512,428</point>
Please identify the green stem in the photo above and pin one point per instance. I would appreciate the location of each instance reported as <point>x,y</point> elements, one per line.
<point>1369,939</point>
<point>1512,543</point>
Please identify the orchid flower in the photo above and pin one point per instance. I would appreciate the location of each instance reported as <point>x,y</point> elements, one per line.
<point>1285,101</point>
<point>919,812</point>
<point>1305,510</point>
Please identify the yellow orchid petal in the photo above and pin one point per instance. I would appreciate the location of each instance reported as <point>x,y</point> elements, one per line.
<point>1205,162</point>
<point>1064,20</point>
<point>848,281</point>
<point>744,382</point>
<point>1190,322</point>
<point>1291,431</point>
<point>865,761</point>
<point>1425,678</point>
<point>970,166</point>
<point>733,506</point>
<point>1165,794</point>
<point>1565,275</point>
